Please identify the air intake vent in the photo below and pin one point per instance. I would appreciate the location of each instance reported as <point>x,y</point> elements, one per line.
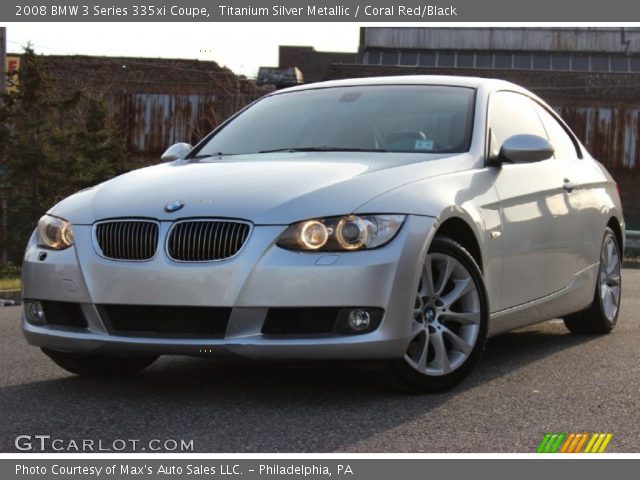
<point>300,321</point>
<point>206,240</point>
<point>168,320</point>
<point>127,239</point>
<point>64,314</point>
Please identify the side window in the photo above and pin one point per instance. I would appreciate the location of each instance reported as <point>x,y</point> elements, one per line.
<point>512,114</point>
<point>559,138</point>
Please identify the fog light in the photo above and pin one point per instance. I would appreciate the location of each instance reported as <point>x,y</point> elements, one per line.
<point>35,313</point>
<point>359,320</point>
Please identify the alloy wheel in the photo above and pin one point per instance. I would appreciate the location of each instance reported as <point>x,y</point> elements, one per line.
<point>609,276</point>
<point>446,317</point>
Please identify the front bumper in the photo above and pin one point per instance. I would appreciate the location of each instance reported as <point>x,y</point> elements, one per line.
<point>261,277</point>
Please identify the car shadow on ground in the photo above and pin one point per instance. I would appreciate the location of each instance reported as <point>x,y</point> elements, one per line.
<point>250,406</point>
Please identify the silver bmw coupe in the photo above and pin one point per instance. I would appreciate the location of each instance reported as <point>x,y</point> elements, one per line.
<point>403,219</point>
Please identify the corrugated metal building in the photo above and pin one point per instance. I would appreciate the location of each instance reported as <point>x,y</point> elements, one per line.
<point>567,49</point>
<point>591,76</point>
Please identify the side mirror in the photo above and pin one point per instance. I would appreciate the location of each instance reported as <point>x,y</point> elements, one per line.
<point>523,149</point>
<point>176,151</point>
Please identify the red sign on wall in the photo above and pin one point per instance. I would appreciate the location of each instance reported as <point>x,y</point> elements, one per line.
<point>12,68</point>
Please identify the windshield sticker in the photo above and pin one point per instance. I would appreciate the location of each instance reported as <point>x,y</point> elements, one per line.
<point>424,145</point>
<point>350,96</point>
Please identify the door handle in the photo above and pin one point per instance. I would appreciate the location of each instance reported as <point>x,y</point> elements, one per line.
<point>568,185</point>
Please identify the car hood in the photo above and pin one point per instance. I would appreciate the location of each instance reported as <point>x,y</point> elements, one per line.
<point>275,188</point>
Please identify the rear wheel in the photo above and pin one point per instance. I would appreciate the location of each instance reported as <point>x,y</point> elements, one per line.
<point>449,324</point>
<point>602,315</point>
<point>99,365</point>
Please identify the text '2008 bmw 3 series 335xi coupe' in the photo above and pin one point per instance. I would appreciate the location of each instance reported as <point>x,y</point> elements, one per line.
<point>400,219</point>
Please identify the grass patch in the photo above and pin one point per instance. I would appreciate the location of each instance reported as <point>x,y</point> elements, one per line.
<point>10,283</point>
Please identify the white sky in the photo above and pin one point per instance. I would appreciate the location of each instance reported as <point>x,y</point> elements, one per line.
<point>242,47</point>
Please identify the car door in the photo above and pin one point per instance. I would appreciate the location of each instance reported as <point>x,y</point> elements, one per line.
<point>539,205</point>
<point>579,173</point>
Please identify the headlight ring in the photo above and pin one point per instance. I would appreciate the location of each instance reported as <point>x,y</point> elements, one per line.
<point>55,233</point>
<point>344,233</point>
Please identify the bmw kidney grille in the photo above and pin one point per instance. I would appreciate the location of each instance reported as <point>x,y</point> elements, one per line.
<point>187,241</point>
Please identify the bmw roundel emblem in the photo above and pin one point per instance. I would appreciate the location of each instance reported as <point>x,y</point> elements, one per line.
<point>174,206</point>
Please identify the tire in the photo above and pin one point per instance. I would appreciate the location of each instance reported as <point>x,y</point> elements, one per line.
<point>99,365</point>
<point>450,321</point>
<point>602,315</point>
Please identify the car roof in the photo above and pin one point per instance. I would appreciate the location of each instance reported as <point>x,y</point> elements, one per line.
<point>457,81</point>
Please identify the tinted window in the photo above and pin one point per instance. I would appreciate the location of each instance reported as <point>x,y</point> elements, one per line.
<point>522,61</point>
<point>600,64</point>
<point>465,60</point>
<point>408,58</point>
<point>503,60</point>
<point>484,60</point>
<point>428,59</point>
<point>580,63</point>
<point>620,64</point>
<point>374,57</point>
<point>389,58</point>
<point>542,62</point>
<point>562,143</point>
<point>446,59</point>
<point>561,62</point>
<point>512,114</point>
<point>420,119</point>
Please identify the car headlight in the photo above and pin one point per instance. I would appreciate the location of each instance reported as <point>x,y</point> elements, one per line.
<point>351,232</point>
<point>54,233</point>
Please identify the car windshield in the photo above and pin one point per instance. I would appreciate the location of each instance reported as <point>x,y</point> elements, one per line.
<point>390,118</point>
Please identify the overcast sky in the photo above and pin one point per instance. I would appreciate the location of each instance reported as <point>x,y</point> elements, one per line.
<point>242,47</point>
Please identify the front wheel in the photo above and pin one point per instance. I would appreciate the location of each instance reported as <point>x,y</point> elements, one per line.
<point>99,365</point>
<point>449,322</point>
<point>602,315</point>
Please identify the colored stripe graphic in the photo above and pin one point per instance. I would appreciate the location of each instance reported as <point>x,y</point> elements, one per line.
<point>550,443</point>
<point>543,443</point>
<point>581,443</point>
<point>573,442</point>
<point>556,445</point>
<point>591,442</point>
<point>606,441</point>
<point>571,439</point>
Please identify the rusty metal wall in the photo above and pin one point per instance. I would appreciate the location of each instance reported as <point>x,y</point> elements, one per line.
<point>612,135</point>
<point>151,122</point>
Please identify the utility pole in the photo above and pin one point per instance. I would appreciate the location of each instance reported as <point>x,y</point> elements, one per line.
<point>3,57</point>
<point>3,197</point>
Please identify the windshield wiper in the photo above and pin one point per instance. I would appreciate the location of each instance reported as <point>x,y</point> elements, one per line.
<point>324,149</point>
<point>209,155</point>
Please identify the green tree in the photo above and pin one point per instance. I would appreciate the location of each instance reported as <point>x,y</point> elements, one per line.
<point>52,143</point>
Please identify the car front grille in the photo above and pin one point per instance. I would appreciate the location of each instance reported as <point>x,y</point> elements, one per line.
<point>168,320</point>
<point>127,239</point>
<point>206,240</point>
